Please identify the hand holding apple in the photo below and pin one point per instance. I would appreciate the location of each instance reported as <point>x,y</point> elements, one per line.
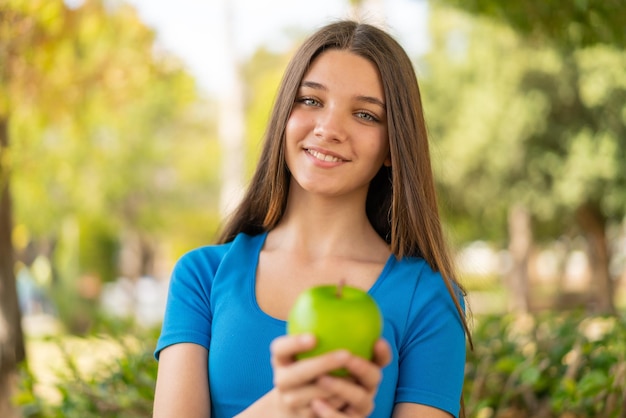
<point>340,317</point>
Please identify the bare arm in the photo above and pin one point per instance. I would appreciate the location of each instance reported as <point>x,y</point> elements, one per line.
<point>413,410</point>
<point>182,388</point>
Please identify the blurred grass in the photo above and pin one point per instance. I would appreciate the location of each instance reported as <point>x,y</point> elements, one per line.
<point>93,376</point>
<point>52,359</point>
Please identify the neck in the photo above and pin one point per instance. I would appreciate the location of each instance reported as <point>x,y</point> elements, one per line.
<point>321,226</point>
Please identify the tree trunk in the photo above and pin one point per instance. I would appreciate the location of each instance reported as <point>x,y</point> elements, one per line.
<point>11,338</point>
<point>520,243</point>
<point>593,224</point>
<point>231,120</point>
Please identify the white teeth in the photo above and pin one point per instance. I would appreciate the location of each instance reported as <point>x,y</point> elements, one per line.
<point>323,157</point>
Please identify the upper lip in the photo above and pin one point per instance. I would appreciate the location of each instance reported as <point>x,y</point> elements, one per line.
<point>327,152</point>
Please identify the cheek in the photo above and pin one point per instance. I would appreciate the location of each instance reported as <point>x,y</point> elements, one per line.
<point>296,125</point>
<point>290,138</point>
<point>289,129</point>
<point>294,133</point>
<point>381,147</point>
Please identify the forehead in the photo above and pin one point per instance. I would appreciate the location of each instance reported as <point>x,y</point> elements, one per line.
<point>344,68</point>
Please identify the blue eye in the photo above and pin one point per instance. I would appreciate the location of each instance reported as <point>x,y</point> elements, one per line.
<point>308,101</point>
<point>366,116</point>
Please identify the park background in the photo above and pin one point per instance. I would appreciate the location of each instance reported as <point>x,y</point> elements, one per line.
<point>122,146</point>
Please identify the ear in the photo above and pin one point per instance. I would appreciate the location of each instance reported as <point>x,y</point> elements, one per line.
<point>387,162</point>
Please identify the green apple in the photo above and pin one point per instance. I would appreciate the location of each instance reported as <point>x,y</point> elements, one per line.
<point>340,317</point>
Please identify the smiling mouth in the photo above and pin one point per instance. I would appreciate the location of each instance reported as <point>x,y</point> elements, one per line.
<point>323,157</point>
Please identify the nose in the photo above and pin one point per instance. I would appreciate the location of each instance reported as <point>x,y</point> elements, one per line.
<point>330,125</point>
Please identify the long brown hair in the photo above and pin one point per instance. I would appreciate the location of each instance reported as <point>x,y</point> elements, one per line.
<point>401,203</point>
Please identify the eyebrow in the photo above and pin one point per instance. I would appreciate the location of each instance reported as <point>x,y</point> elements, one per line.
<point>362,98</point>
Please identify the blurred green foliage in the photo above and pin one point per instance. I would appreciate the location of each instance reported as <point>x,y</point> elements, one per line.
<point>549,365</point>
<point>515,121</point>
<point>110,139</point>
<point>520,121</point>
<point>123,388</point>
<point>262,74</point>
<point>570,25</point>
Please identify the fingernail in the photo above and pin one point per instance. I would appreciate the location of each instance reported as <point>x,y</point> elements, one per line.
<point>306,339</point>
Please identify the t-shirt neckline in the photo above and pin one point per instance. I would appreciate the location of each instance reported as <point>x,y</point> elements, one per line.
<point>259,241</point>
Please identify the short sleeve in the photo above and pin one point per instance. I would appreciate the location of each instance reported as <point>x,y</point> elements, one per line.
<point>188,314</point>
<point>432,355</point>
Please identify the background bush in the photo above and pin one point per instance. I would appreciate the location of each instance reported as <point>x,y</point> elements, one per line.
<point>123,388</point>
<point>547,365</point>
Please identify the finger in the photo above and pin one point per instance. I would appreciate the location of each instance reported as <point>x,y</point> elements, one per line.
<point>300,398</point>
<point>335,402</point>
<point>307,370</point>
<point>357,398</point>
<point>323,410</point>
<point>284,348</point>
<point>306,412</point>
<point>364,372</point>
<point>382,353</point>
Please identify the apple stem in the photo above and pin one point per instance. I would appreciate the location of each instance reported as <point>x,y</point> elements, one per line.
<point>342,283</point>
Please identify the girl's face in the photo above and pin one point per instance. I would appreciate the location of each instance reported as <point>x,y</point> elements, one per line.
<point>336,135</point>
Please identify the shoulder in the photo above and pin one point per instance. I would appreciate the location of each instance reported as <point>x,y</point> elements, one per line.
<point>199,266</point>
<point>207,257</point>
<point>416,295</point>
<point>428,283</point>
<point>197,271</point>
<point>211,256</point>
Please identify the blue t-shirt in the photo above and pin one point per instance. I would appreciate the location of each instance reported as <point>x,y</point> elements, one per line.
<point>212,303</point>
